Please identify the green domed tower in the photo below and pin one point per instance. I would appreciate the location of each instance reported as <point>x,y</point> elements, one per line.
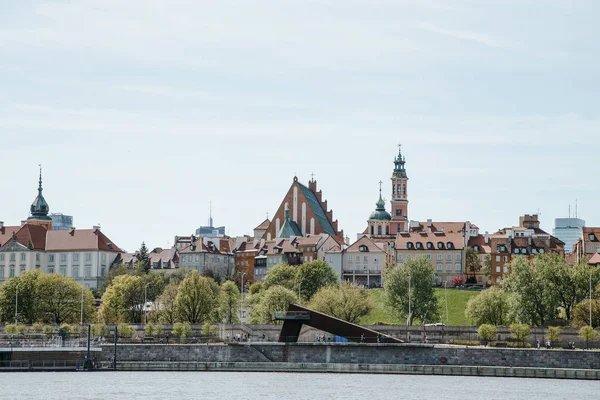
<point>379,220</point>
<point>39,209</point>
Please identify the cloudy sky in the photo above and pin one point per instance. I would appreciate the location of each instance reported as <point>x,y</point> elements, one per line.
<point>144,111</point>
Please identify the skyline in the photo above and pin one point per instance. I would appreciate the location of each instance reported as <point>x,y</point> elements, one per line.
<point>142,112</point>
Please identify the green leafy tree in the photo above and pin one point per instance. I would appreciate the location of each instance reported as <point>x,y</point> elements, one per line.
<point>487,332</point>
<point>125,331</point>
<point>60,300</point>
<point>281,275</point>
<point>344,302</point>
<point>123,300</point>
<point>113,272</point>
<point>471,263</point>
<point>28,305</point>
<point>143,257</point>
<point>11,329</point>
<point>553,334</point>
<point>581,314</point>
<point>100,330</point>
<point>312,276</point>
<point>535,302</point>
<point>486,268</point>
<point>164,309</point>
<point>182,330</point>
<point>209,329</point>
<point>569,284</point>
<point>179,275</point>
<point>230,302</point>
<point>588,334</point>
<point>520,332</point>
<point>37,328</point>
<point>255,288</point>
<point>490,306</point>
<point>276,298</point>
<point>411,280</point>
<point>197,299</point>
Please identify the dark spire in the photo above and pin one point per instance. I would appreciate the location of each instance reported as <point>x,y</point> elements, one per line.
<point>39,209</point>
<point>399,161</point>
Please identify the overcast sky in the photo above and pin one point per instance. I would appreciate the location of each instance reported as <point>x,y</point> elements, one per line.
<point>143,111</point>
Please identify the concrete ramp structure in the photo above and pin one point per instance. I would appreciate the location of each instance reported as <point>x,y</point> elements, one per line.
<point>296,316</point>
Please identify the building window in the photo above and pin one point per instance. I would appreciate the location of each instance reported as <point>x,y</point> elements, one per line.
<point>165,265</point>
<point>439,257</point>
<point>1,257</point>
<point>505,270</point>
<point>505,258</point>
<point>357,259</point>
<point>379,230</point>
<point>1,272</point>
<point>88,257</point>
<point>498,270</point>
<point>448,267</point>
<point>88,272</point>
<point>366,258</point>
<point>50,270</point>
<point>399,257</point>
<point>22,256</point>
<point>75,257</point>
<point>497,258</point>
<point>428,256</point>
<point>63,271</point>
<point>457,267</point>
<point>103,271</point>
<point>37,257</point>
<point>22,269</point>
<point>448,257</point>
<point>458,257</point>
<point>439,267</point>
<point>197,258</point>
<point>12,257</point>
<point>11,272</point>
<point>63,258</point>
<point>51,258</point>
<point>75,272</point>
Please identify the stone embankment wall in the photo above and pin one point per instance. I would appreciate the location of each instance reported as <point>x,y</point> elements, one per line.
<point>349,353</point>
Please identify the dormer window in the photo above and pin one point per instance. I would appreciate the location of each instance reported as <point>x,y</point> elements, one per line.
<point>419,245</point>
<point>440,245</point>
<point>592,237</point>
<point>476,248</point>
<point>533,251</point>
<point>363,248</point>
<point>450,245</point>
<point>429,245</point>
<point>523,251</point>
<point>516,251</point>
<point>409,245</point>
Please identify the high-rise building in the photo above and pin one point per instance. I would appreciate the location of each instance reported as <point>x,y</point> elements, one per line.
<point>569,230</point>
<point>61,222</point>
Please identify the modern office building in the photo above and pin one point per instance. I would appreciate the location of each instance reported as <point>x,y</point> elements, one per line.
<point>61,222</point>
<point>569,230</point>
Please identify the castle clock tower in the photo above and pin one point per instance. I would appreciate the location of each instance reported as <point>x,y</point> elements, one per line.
<point>399,195</point>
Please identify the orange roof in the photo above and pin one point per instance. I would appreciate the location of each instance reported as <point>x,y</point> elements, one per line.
<point>365,241</point>
<point>403,239</point>
<point>30,234</point>
<point>263,225</point>
<point>595,260</point>
<point>79,239</point>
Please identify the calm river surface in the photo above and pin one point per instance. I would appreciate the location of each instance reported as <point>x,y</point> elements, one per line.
<point>276,386</point>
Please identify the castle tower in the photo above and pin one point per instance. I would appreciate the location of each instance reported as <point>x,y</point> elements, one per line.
<point>399,195</point>
<point>39,209</point>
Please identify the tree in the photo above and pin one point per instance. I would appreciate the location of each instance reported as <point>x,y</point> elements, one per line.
<point>314,275</point>
<point>276,298</point>
<point>230,302</point>
<point>144,257</point>
<point>553,334</point>
<point>536,303</point>
<point>520,332</point>
<point>490,306</point>
<point>164,310</point>
<point>581,314</point>
<point>255,288</point>
<point>123,300</point>
<point>125,331</point>
<point>588,334</point>
<point>423,302</point>
<point>569,284</point>
<point>471,263</point>
<point>457,281</point>
<point>281,275</point>
<point>344,302</point>
<point>182,330</point>
<point>60,300</point>
<point>28,305</point>
<point>487,332</point>
<point>486,268</point>
<point>209,329</point>
<point>197,299</point>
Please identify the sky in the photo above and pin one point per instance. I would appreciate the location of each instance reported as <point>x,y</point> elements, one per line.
<point>142,112</point>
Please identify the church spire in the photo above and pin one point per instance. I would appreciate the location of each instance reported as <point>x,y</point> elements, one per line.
<point>40,185</point>
<point>39,209</point>
<point>399,161</point>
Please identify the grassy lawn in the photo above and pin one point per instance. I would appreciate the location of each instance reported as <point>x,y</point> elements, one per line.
<point>457,302</point>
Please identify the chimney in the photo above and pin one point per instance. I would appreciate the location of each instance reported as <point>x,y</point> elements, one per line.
<point>1,224</point>
<point>96,228</point>
<point>72,231</point>
<point>429,222</point>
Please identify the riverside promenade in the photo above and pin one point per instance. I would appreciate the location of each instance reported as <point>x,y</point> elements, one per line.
<point>418,359</point>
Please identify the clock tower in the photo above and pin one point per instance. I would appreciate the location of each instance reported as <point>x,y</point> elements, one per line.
<point>399,195</point>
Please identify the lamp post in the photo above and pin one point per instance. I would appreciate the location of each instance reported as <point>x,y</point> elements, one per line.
<point>446,296</point>
<point>145,304</point>
<point>242,273</point>
<point>299,287</point>
<point>409,296</point>
<point>590,298</point>
<point>81,313</point>
<point>17,305</point>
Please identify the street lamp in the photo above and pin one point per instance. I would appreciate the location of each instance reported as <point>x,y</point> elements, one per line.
<point>17,305</point>
<point>299,287</point>
<point>145,304</point>
<point>81,314</point>
<point>591,297</point>
<point>446,296</point>
<point>242,273</point>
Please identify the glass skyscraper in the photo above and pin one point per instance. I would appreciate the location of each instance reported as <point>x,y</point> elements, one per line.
<point>61,222</point>
<point>569,230</point>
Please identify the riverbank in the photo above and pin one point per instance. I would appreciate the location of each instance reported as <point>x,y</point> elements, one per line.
<point>338,368</point>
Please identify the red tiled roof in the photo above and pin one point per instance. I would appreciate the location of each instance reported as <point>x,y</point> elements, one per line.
<point>448,227</point>
<point>263,225</point>
<point>595,260</point>
<point>79,239</point>
<point>30,234</point>
<point>455,238</point>
<point>6,233</point>
<point>365,241</point>
<point>482,246</point>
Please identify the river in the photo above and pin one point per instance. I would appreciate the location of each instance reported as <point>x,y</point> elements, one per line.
<point>277,386</point>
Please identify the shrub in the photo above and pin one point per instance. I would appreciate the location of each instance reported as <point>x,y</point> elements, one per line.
<point>457,281</point>
<point>48,330</point>
<point>70,328</point>
<point>553,334</point>
<point>154,330</point>
<point>100,330</point>
<point>588,334</point>
<point>159,330</point>
<point>149,329</point>
<point>255,288</point>
<point>37,328</point>
<point>209,329</point>
<point>182,330</point>
<point>125,331</point>
<point>520,332</point>
<point>487,332</point>
<point>464,342</point>
<point>11,329</point>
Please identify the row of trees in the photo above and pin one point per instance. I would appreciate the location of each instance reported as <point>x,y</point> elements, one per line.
<point>538,294</point>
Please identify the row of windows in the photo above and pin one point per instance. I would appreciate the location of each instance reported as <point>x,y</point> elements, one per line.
<point>457,267</point>
<point>439,257</point>
<point>190,258</point>
<point>365,259</point>
<point>51,257</point>
<point>505,270</point>
<point>75,272</point>
<point>430,246</point>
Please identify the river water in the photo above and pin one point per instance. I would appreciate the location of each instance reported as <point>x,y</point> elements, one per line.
<point>277,386</point>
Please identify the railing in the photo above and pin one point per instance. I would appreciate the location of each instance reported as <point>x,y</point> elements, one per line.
<point>41,364</point>
<point>18,341</point>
